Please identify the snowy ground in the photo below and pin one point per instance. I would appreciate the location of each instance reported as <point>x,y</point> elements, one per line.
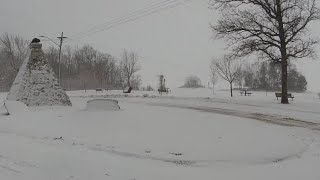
<point>187,134</point>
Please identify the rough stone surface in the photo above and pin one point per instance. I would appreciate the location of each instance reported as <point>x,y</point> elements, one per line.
<point>36,84</point>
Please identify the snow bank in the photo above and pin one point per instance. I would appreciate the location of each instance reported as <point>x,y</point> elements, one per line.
<point>102,105</point>
<point>15,107</point>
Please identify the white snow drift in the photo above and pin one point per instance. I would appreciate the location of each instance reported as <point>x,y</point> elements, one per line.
<point>102,105</point>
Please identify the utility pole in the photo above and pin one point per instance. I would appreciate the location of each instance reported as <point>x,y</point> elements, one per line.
<point>60,46</point>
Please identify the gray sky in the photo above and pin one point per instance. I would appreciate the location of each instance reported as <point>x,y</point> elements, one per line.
<point>175,42</point>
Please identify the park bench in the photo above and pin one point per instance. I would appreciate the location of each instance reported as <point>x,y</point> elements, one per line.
<point>245,92</point>
<point>163,90</point>
<point>127,90</point>
<point>280,95</point>
<point>99,90</point>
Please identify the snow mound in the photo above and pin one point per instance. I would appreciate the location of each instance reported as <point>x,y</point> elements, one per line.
<point>15,107</point>
<point>103,105</point>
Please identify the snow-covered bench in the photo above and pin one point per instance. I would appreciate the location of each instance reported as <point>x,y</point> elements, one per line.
<point>102,105</point>
<point>245,92</point>
<point>99,90</point>
<point>127,90</point>
<point>280,95</point>
<point>165,90</point>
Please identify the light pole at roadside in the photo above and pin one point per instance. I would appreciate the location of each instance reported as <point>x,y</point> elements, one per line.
<point>60,46</point>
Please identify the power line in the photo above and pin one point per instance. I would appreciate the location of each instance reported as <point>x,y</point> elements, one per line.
<point>152,6</point>
<point>137,16</point>
<point>130,16</point>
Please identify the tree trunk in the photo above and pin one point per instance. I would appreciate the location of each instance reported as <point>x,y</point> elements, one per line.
<point>284,74</point>
<point>231,90</point>
<point>284,59</point>
<point>128,83</point>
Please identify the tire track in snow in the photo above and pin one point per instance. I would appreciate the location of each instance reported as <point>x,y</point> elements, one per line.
<point>272,119</point>
<point>181,162</point>
<point>7,168</point>
<point>127,154</point>
<point>108,149</point>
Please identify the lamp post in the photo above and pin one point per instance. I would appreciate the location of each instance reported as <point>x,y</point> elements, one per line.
<point>60,46</point>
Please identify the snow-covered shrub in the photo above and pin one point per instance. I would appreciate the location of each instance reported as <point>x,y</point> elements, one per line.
<point>145,95</point>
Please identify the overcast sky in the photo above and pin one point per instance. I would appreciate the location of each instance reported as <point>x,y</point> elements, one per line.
<point>175,43</point>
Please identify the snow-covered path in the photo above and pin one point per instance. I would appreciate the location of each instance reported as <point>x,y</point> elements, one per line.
<point>266,117</point>
<point>305,106</point>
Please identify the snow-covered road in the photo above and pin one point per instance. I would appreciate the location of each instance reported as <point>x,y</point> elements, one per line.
<point>267,117</point>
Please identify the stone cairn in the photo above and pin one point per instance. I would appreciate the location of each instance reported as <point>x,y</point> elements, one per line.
<point>36,83</point>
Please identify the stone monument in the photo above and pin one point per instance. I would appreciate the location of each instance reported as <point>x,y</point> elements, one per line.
<point>36,84</point>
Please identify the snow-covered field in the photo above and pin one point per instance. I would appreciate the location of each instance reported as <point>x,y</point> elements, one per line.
<point>187,134</point>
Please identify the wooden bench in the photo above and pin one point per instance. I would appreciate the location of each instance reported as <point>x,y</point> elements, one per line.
<point>164,90</point>
<point>245,93</point>
<point>99,90</point>
<point>127,90</point>
<point>280,95</point>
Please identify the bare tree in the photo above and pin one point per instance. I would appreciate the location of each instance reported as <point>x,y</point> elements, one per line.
<point>53,55</point>
<point>213,77</point>
<point>136,81</point>
<point>275,30</point>
<point>15,48</point>
<point>239,81</point>
<point>68,67</point>
<point>129,65</point>
<point>227,68</point>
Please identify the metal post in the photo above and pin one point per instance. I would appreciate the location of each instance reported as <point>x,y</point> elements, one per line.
<point>60,46</point>
<point>59,68</point>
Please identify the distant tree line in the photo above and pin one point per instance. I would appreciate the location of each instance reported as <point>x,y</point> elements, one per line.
<point>192,82</point>
<point>267,76</point>
<point>264,76</point>
<point>87,68</point>
<point>81,68</point>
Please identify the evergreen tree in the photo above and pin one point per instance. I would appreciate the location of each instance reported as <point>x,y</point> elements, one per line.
<point>269,77</point>
<point>296,81</point>
<point>263,76</point>
<point>274,76</point>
